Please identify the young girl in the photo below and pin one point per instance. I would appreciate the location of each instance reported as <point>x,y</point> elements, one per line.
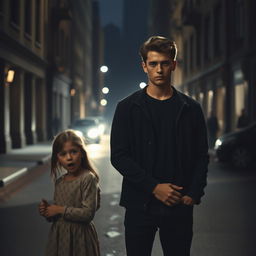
<point>76,199</point>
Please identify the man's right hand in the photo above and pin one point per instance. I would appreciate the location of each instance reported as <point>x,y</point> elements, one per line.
<point>168,193</point>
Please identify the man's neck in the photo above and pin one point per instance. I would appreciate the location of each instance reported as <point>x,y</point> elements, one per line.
<point>160,92</point>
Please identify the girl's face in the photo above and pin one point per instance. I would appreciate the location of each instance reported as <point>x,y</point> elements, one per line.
<point>70,157</point>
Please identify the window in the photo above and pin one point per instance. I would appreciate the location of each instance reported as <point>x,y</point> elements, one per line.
<point>206,38</point>
<point>239,19</point>
<point>192,52</point>
<point>62,43</point>
<point>185,58</point>
<point>198,47</point>
<point>38,20</point>
<point>217,30</point>
<point>1,6</point>
<point>27,17</point>
<point>15,11</point>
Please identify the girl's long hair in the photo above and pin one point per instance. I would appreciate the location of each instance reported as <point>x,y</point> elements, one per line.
<point>57,146</point>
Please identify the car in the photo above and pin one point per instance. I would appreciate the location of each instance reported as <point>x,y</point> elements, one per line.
<point>90,129</point>
<point>102,123</point>
<point>237,148</point>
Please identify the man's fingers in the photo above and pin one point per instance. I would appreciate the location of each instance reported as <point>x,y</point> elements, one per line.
<point>176,193</point>
<point>170,202</point>
<point>174,198</point>
<point>176,187</point>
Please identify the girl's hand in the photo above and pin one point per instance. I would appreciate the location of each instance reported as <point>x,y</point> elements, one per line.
<point>42,207</point>
<point>53,210</point>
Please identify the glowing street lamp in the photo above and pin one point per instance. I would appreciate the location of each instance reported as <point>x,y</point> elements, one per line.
<point>103,102</point>
<point>104,69</point>
<point>142,85</point>
<point>105,90</point>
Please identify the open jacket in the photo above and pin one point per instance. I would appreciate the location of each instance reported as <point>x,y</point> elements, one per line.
<point>133,149</point>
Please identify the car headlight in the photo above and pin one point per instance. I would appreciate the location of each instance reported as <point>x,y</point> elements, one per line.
<point>101,128</point>
<point>223,141</point>
<point>218,143</point>
<point>93,133</point>
<point>79,133</point>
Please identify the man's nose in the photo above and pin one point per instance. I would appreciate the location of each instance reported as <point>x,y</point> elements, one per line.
<point>159,68</point>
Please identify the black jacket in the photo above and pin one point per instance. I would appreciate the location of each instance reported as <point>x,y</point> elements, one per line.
<point>132,149</point>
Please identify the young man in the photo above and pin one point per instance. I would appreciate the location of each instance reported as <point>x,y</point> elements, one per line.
<point>159,145</point>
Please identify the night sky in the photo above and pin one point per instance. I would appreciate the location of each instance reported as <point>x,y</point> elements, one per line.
<point>111,12</point>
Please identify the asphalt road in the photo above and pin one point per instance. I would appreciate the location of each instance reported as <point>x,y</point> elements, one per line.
<point>224,223</point>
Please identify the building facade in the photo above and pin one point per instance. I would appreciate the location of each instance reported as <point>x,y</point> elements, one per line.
<point>216,57</point>
<point>23,111</point>
<point>45,68</point>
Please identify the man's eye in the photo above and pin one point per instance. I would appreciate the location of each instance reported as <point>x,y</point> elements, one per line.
<point>167,63</point>
<point>152,64</point>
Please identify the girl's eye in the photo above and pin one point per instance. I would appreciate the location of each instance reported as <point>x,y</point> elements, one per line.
<point>62,154</point>
<point>74,151</point>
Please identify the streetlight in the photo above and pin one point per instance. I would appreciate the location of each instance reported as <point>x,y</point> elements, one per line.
<point>104,69</point>
<point>105,90</point>
<point>142,85</point>
<point>103,102</point>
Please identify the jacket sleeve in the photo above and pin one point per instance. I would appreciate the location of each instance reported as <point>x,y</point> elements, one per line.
<point>199,178</point>
<point>86,212</point>
<point>121,157</point>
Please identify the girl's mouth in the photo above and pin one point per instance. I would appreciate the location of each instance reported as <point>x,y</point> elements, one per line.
<point>70,164</point>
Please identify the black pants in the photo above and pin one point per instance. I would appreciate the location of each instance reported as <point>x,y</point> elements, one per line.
<point>174,225</point>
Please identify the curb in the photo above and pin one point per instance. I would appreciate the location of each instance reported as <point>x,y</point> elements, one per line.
<point>13,176</point>
<point>44,160</point>
<point>22,171</point>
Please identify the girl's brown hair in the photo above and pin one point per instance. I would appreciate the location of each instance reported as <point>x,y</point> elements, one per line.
<point>57,146</point>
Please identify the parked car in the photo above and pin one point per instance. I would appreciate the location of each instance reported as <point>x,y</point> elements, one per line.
<point>89,127</point>
<point>102,123</point>
<point>237,148</point>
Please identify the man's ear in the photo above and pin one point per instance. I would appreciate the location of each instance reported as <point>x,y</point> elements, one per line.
<point>143,64</point>
<point>174,62</point>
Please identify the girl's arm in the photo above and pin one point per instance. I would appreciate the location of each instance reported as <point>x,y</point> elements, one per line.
<point>89,203</point>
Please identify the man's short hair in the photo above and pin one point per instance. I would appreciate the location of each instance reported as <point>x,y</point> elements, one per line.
<point>158,44</point>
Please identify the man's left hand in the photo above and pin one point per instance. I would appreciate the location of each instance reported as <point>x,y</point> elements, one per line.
<point>187,200</point>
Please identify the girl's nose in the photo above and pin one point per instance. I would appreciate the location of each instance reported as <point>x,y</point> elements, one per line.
<point>69,156</point>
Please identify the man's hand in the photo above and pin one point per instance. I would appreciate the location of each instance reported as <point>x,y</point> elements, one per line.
<point>187,200</point>
<point>53,210</point>
<point>168,193</point>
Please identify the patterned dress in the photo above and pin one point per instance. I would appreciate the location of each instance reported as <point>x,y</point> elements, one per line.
<point>73,233</point>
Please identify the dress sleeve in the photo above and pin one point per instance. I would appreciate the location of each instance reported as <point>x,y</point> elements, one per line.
<point>85,213</point>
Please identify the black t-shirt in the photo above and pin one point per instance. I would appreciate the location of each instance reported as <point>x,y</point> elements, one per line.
<point>163,115</point>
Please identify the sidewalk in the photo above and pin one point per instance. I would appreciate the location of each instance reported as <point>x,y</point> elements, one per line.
<point>16,163</point>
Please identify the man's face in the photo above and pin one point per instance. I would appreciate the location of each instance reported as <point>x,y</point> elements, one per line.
<point>158,68</point>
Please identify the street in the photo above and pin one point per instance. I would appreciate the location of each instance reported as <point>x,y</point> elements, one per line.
<point>224,223</point>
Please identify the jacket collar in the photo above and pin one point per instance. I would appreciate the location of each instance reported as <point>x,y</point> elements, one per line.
<point>139,97</point>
